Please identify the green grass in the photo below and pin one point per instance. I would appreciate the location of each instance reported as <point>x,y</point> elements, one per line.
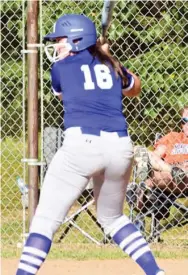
<point>74,245</point>
<point>90,251</point>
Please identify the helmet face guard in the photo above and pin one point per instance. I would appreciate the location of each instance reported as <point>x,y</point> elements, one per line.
<point>52,53</point>
<point>79,30</point>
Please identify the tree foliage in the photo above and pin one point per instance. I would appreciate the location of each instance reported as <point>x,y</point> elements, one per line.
<point>148,37</point>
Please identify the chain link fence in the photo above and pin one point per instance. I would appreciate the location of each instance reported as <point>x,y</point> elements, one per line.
<point>13,146</point>
<point>149,38</point>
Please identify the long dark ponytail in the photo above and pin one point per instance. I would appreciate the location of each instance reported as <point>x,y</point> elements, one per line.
<point>106,58</point>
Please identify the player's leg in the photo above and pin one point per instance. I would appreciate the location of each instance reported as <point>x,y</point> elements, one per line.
<point>65,180</point>
<point>110,196</point>
<point>56,198</point>
<point>164,181</point>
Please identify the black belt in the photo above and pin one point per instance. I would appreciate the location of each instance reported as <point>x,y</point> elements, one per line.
<point>97,132</point>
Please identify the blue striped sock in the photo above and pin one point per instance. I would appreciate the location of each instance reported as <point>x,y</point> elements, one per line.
<point>130,240</point>
<point>34,253</point>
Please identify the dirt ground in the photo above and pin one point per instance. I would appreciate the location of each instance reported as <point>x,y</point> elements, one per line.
<point>97,267</point>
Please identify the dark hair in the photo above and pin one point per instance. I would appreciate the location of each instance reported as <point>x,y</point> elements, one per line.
<point>106,58</point>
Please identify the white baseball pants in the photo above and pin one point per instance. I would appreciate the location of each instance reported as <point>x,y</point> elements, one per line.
<point>107,158</point>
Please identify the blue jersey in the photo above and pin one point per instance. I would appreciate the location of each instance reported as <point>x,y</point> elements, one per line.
<point>92,93</point>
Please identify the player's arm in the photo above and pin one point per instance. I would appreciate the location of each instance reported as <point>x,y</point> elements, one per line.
<point>156,160</point>
<point>133,86</point>
<point>156,156</point>
<point>160,151</point>
<point>55,80</point>
<point>161,145</point>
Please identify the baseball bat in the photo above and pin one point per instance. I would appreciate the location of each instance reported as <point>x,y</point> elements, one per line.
<point>107,12</point>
